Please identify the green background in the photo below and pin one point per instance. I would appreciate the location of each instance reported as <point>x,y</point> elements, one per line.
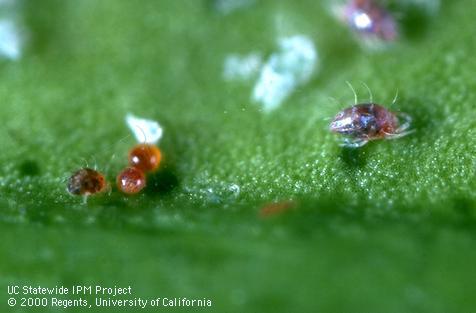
<point>386,228</point>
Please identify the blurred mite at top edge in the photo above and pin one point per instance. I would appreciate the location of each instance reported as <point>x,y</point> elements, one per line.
<point>369,19</point>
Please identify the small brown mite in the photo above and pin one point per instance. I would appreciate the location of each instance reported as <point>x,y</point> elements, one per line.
<point>86,182</point>
<point>131,181</point>
<point>369,121</point>
<point>145,157</point>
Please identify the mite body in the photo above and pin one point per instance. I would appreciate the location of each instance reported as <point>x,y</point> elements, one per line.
<point>362,123</point>
<point>369,19</point>
<point>86,182</point>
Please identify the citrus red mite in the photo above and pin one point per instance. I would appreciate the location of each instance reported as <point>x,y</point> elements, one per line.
<point>369,121</point>
<point>370,19</point>
<point>131,180</point>
<point>145,157</point>
<point>86,182</point>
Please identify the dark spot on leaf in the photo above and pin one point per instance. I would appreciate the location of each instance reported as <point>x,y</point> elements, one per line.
<point>162,182</point>
<point>29,168</point>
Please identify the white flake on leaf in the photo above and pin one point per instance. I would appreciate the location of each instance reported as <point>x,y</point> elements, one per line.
<point>292,66</point>
<point>144,130</point>
<point>241,67</point>
<point>10,40</point>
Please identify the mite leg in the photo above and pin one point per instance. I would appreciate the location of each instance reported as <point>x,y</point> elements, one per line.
<point>354,142</point>
<point>406,122</point>
<point>398,135</point>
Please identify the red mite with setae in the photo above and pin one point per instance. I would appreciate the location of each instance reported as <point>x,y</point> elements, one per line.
<point>364,122</point>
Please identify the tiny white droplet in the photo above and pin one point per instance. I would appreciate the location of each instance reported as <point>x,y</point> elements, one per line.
<point>144,130</point>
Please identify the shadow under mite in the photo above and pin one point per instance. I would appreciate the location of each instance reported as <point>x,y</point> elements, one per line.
<point>29,168</point>
<point>353,157</point>
<point>162,182</point>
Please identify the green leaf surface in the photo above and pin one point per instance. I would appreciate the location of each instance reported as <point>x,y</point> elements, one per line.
<point>389,227</point>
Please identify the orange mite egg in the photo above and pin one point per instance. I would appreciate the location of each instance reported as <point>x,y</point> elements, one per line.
<point>131,181</point>
<point>276,208</point>
<point>86,182</point>
<point>145,157</point>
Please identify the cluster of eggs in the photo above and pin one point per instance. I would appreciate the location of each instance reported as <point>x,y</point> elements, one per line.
<point>143,159</point>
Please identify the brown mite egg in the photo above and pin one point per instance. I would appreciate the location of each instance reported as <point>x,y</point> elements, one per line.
<point>145,157</point>
<point>276,208</point>
<point>131,181</point>
<point>86,182</point>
